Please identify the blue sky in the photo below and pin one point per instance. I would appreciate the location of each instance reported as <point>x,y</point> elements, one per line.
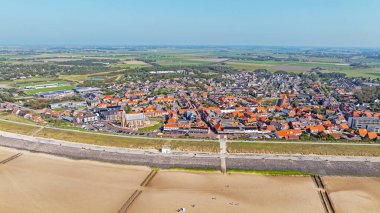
<point>191,22</point>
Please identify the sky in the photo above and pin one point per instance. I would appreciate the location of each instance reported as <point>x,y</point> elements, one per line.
<point>338,23</point>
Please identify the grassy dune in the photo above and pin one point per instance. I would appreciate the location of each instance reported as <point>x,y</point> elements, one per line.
<point>192,146</point>
<point>125,142</point>
<point>318,149</point>
<point>271,172</point>
<point>17,128</point>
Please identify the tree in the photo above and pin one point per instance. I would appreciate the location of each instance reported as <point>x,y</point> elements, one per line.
<point>128,109</point>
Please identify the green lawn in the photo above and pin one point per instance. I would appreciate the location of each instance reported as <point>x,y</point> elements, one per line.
<point>28,80</point>
<point>151,128</point>
<point>12,117</point>
<point>134,143</point>
<point>17,128</point>
<point>271,172</point>
<point>370,72</point>
<point>306,149</point>
<point>34,83</point>
<point>34,91</point>
<point>195,169</point>
<point>191,146</point>
<point>297,67</point>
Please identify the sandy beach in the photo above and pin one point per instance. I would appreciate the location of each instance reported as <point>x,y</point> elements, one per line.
<point>43,183</point>
<point>354,194</point>
<point>215,192</point>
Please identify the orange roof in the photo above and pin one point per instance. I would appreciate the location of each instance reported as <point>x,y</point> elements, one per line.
<point>251,119</point>
<point>355,114</point>
<point>262,109</point>
<point>343,126</point>
<point>171,125</point>
<point>241,108</point>
<point>335,135</point>
<point>291,113</point>
<point>363,132</point>
<point>372,135</point>
<point>289,132</point>
<point>172,120</point>
<point>218,126</point>
<point>319,128</point>
<point>271,128</point>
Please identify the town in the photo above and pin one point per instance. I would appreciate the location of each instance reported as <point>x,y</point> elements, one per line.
<point>190,106</point>
<point>257,105</point>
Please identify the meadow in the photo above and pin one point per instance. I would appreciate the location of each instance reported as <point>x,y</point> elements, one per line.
<point>35,91</point>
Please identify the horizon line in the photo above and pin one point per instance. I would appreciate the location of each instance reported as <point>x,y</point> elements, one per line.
<point>183,45</point>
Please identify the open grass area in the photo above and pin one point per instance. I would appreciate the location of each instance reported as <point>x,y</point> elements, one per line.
<point>292,148</point>
<point>131,64</point>
<point>27,80</point>
<point>300,67</point>
<point>157,123</point>
<point>352,73</point>
<point>96,75</point>
<point>134,143</point>
<point>12,117</point>
<point>34,83</point>
<point>191,146</point>
<point>168,61</point>
<point>195,169</point>
<point>271,172</point>
<point>17,128</point>
<point>34,91</point>
<point>288,65</point>
<point>75,78</point>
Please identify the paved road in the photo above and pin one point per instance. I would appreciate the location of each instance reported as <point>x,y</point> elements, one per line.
<point>325,165</point>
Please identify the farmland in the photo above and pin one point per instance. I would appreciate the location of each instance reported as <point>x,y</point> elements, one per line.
<point>80,66</point>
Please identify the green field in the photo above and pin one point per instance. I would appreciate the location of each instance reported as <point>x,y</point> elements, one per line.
<point>17,128</point>
<point>27,81</point>
<point>306,149</point>
<point>34,83</point>
<point>134,143</point>
<point>366,73</point>
<point>132,64</point>
<point>12,117</point>
<point>271,172</point>
<point>286,65</point>
<point>34,91</point>
<point>150,128</point>
<point>300,67</point>
<point>115,75</point>
<point>192,146</point>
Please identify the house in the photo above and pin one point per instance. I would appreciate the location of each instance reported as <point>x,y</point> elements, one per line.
<point>87,118</point>
<point>315,129</point>
<point>55,94</point>
<point>372,135</point>
<point>358,122</point>
<point>110,113</point>
<point>362,132</point>
<point>290,134</point>
<point>336,135</point>
<point>171,127</point>
<point>134,121</point>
